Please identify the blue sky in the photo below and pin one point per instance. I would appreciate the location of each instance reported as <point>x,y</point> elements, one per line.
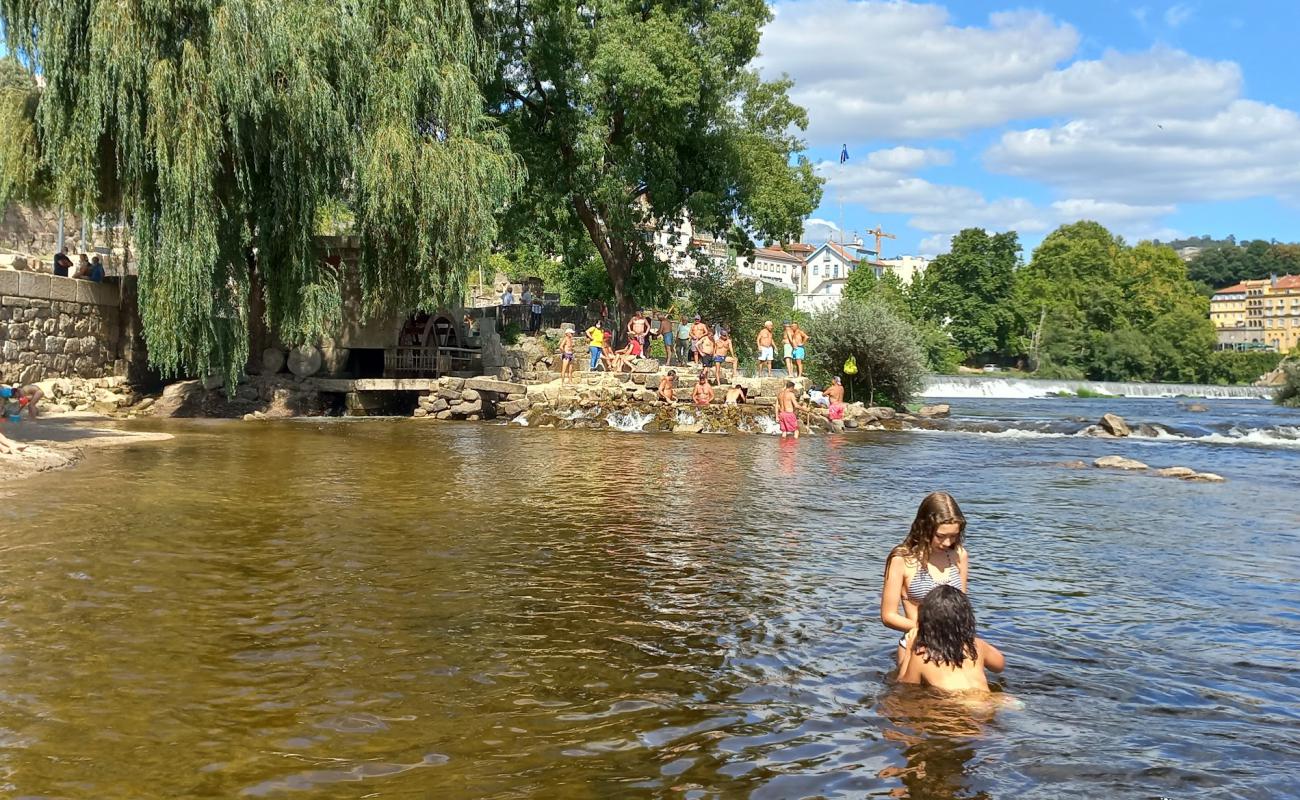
<point>1157,119</point>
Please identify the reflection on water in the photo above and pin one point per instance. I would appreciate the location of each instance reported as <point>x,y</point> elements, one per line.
<point>401,609</point>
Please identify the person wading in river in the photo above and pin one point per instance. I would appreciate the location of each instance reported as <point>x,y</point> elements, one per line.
<point>931,555</point>
<point>835,394</point>
<point>786,404</point>
<point>944,651</point>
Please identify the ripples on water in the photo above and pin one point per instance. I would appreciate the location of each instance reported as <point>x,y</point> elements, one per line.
<point>402,609</point>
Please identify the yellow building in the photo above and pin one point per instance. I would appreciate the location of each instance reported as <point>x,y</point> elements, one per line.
<point>1261,313</point>
<point>1274,310</point>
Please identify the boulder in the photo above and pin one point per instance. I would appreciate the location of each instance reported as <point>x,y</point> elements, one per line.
<point>1119,462</point>
<point>1205,477</point>
<point>1074,464</point>
<point>469,395</point>
<point>439,404</point>
<point>1175,472</point>
<point>1114,424</point>
<point>452,383</point>
<point>484,384</point>
<point>272,360</point>
<point>936,410</point>
<point>464,409</point>
<point>451,395</point>
<point>881,412</point>
<point>512,408</point>
<point>304,361</point>
<point>645,365</point>
<point>1198,407</point>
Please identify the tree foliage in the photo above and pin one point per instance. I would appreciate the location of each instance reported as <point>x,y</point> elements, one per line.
<point>941,355</point>
<point>1231,263</point>
<point>1093,306</point>
<point>631,114</point>
<point>718,297</point>
<point>890,365</point>
<point>969,289</point>
<point>1288,394</point>
<point>220,127</point>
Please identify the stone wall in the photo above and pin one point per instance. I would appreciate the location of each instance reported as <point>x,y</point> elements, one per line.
<point>52,327</point>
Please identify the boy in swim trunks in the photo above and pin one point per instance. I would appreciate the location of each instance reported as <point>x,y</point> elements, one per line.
<point>785,408</point>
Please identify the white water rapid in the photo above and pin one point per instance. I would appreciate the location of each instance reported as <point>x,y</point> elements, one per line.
<point>1012,388</point>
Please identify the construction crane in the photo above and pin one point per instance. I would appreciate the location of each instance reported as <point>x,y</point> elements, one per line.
<point>879,234</point>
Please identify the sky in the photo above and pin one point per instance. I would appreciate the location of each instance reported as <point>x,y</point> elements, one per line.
<point>1159,120</point>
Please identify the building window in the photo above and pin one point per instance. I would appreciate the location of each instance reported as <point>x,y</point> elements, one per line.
<point>815,273</point>
<point>837,271</point>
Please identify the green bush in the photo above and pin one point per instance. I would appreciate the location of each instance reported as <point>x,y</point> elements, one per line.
<point>1288,394</point>
<point>1230,366</point>
<point>657,349</point>
<point>890,363</point>
<point>510,333</point>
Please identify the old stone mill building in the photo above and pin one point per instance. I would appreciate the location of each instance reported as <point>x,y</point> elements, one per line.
<point>63,329</point>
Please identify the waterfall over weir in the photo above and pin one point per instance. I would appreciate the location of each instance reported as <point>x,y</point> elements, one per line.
<point>1010,388</point>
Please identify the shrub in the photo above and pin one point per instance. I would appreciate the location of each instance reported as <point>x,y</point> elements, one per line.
<point>510,333</point>
<point>890,363</point>
<point>657,349</point>
<point>1230,366</point>
<point>1288,394</point>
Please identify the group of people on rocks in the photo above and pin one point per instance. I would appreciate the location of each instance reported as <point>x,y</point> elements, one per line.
<point>90,269</point>
<point>924,597</point>
<point>694,342</point>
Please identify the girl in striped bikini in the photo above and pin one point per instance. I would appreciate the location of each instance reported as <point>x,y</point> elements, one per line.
<point>931,555</point>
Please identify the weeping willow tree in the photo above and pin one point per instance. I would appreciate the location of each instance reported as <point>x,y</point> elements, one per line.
<point>223,129</point>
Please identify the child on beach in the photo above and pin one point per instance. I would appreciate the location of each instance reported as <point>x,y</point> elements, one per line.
<point>944,651</point>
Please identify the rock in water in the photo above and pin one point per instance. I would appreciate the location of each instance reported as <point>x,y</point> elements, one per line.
<point>1205,477</point>
<point>1175,472</point>
<point>1115,425</point>
<point>1119,462</point>
<point>937,410</point>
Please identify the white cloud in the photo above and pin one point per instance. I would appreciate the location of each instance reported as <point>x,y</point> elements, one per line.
<point>908,158</point>
<point>925,77</point>
<point>1176,15</point>
<point>882,183</point>
<point>1247,149</point>
<point>819,231</point>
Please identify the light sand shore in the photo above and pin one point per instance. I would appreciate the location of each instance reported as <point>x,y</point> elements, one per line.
<point>58,441</point>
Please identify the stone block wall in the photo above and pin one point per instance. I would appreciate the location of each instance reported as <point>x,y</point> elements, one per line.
<point>53,327</point>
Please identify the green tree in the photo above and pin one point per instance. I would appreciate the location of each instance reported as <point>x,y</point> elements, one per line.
<point>222,128</point>
<point>1230,263</point>
<point>941,355</point>
<point>1288,394</point>
<point>969,291</point>
<point>1095,307</point>
<point>631,114</point>
<point>890,365</point>
<point>717,296</point>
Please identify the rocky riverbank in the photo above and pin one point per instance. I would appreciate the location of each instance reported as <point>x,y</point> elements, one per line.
<point>58,441</point>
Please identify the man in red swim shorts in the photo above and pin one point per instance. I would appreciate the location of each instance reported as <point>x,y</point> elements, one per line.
<point>785,408</point>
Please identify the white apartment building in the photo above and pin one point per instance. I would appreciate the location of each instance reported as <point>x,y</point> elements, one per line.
<point>771,265</point>
<point>673,242</point>
<point>830,262</point>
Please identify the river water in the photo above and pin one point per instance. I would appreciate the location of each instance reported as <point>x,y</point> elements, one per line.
<point>400,609</point>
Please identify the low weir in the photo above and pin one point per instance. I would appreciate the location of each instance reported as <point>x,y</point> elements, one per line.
<point>990,386</point>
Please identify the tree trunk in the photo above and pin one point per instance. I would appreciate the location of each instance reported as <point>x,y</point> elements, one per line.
<point>614,254</point>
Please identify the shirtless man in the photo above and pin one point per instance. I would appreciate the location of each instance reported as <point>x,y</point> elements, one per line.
<point>835,394</point>
<point>667,328</point>
<point>765,349</point>
<point>797,340</point>
<point>702,395</point>
<point>638,330</point>
<point>723,352</point>
<point>787,349</point>
<point>698,331</point>
<point>27,396</point>
<point>735,395</point>
<point>566,357</point>
<point>785,411</point>
<point>705,349</point>
<point>668,388</point>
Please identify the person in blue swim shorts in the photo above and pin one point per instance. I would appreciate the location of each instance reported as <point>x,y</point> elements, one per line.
<point>798,339</point>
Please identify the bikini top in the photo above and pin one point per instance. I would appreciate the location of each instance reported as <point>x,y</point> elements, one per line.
<point>923,583</point>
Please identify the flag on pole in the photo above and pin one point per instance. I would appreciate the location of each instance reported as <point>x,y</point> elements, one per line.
<point>844,153</point>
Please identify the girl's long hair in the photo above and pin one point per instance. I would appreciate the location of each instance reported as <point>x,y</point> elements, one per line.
<point>945,629</point>
<point>936,509</point>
